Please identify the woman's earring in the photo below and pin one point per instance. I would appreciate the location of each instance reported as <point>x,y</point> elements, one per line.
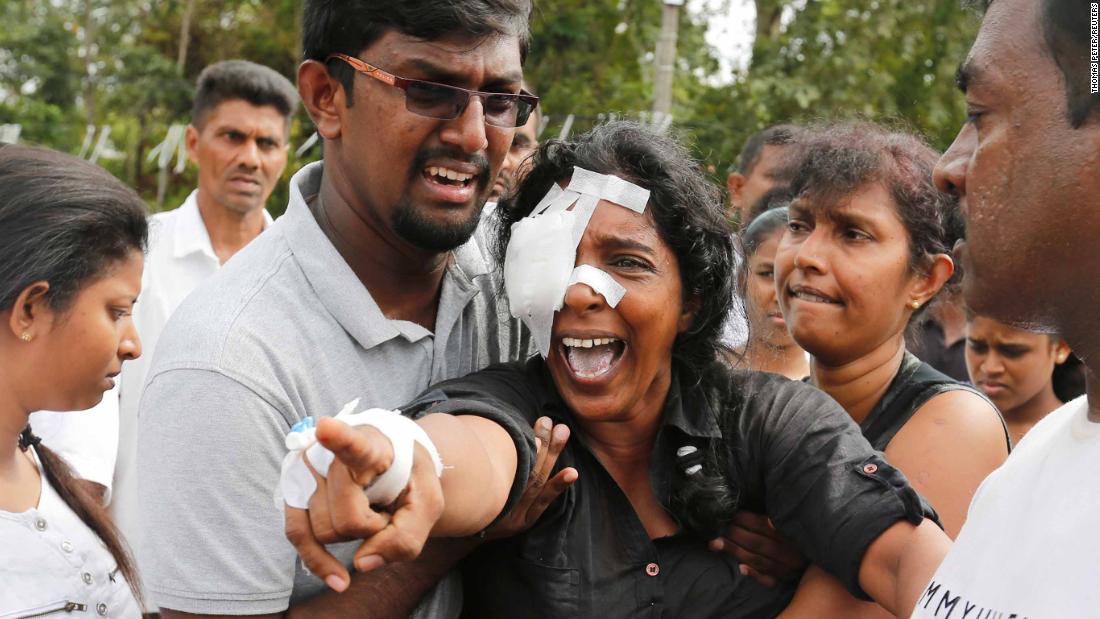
<point>26,337</point>
<point>914,304</point>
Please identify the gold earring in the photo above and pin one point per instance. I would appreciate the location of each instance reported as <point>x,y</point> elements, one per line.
<point>915,304</point>
<point>26,337</point>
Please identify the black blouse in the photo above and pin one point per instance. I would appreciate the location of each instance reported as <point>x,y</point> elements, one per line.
<point>790,451</point>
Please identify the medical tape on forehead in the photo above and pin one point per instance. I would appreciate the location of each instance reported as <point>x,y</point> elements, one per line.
<point>610,188</point>
<point>542,252</point>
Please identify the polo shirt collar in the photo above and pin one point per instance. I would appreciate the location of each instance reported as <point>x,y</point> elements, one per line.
<point>191,236</point>
<point>339,289</point>
<point>697,418</point>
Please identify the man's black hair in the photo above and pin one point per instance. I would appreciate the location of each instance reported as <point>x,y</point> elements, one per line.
<point>776,135</point>
<point>1066,32</point>
<point>779,196</point>
<point>240,79</point>
<point>349,26</point>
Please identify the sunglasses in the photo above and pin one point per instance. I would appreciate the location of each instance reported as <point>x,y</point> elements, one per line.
<point>444,102</point>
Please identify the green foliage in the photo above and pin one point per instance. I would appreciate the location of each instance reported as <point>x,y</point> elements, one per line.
<point>883,60</point>
<point>64,63</point>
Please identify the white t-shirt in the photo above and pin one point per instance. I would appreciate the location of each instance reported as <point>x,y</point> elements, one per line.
<point>1030,547</point>
<point>50,560</point>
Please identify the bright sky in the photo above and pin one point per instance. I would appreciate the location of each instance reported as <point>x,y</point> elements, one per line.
<point>730,31</point>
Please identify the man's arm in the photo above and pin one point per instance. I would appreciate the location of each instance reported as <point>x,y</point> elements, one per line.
<point>390,592</point>
<point>394,591</point>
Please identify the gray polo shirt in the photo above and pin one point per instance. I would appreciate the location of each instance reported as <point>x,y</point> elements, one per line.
<point>284,331</point>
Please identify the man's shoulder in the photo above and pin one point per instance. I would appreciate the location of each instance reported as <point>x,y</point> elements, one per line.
<point>251,299</point>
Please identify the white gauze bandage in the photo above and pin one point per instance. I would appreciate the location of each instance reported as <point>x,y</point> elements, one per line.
<point>296,484</point>
<point>542,251</point>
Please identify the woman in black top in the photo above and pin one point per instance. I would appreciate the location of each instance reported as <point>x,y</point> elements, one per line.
<point>668,442</point>
<point>865,251</point>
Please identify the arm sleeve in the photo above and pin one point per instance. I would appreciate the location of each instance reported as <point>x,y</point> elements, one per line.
<point>504,394</point>
<point>824,486</point>
<point>87,440</point>
<point>212,541</point>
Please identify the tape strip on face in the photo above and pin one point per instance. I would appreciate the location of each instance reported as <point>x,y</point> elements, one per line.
<point>599,281</point>
<point>542,252</point>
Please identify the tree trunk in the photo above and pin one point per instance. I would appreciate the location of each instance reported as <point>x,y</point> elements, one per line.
<point>89,60</point>
<point>768,13</point>
<point>185,35</point>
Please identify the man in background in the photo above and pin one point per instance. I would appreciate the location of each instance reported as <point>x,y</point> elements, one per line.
<point>760,167</point>
<point>240,124</point>
<point>523,146</point>
<point>237,138</point>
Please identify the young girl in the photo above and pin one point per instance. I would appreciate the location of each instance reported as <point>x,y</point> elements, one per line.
<point>770,347</point>
<point>1015,368</point>
<point>71,243</point>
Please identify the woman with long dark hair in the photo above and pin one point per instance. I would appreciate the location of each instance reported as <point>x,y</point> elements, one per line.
<point>669,440</point>
<point>71,251</point>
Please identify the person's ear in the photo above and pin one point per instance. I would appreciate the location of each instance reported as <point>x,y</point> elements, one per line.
<point>1061,351</point>
<point>30,313</point>
<point>925,286</point>
<point>323,97</point>
<point>735,182</point>
<point>687,314</point>
<point>191,140</point>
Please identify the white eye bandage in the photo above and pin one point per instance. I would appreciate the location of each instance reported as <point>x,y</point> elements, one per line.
<point>296,483</point>
<point>542,251</point>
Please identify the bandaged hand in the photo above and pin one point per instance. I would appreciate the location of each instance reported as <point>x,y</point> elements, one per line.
<point>339,510</point>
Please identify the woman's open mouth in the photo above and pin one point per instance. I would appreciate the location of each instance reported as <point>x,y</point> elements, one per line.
<point>592,358</point>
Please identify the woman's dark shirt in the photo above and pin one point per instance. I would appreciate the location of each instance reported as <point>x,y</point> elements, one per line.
<point>790,451</point>
<point>915,383</point>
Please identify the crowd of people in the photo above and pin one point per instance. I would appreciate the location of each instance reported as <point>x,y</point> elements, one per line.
<point>469,375</point>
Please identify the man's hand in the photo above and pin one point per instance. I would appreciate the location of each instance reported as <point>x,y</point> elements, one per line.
<point>339,509</point>
<point>765,555</point>
<point>541,489</point>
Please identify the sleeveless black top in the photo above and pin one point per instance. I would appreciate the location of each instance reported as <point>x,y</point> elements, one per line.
<point>915,383</point>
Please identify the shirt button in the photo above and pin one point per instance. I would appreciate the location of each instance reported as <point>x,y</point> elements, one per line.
<point>870,469</point>
<point>67,546</point>
<point>40,524</point>
<point>87,578</point>
<point>101,608</point>
<point>652,569</point>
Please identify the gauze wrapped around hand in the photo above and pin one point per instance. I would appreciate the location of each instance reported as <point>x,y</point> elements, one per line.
<point>296,483</point>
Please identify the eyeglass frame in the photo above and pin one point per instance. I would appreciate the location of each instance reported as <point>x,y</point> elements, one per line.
<point>403,83</point>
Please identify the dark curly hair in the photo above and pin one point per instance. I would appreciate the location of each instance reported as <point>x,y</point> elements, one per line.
<point>840,159</point>
<point>686,208</point>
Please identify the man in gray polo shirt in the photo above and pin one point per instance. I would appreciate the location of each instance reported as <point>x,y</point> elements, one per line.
<point>368,287</point>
